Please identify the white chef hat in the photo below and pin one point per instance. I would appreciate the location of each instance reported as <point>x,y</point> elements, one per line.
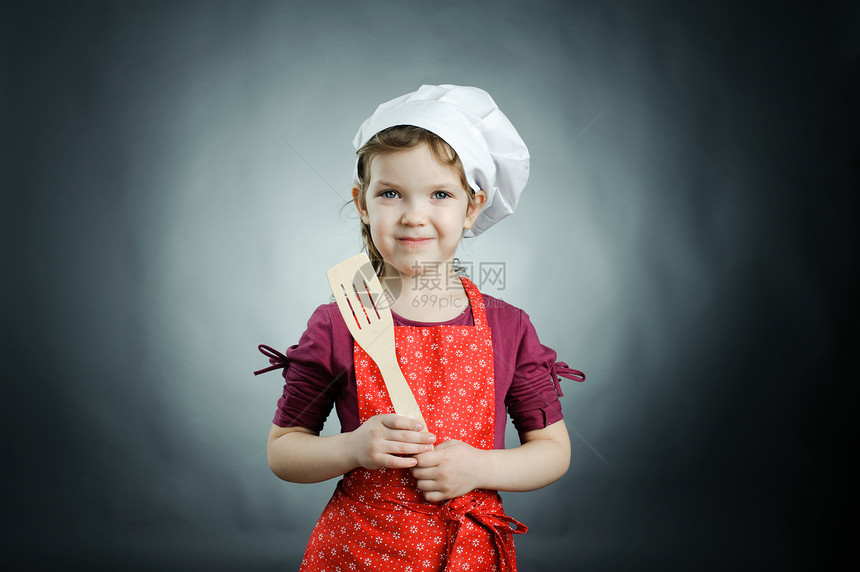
<point>493,154</point>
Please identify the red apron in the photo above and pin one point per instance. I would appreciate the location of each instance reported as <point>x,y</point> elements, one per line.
<point>379,520</point>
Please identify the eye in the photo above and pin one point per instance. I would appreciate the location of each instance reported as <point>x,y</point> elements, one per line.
<point>388,194</point>
<point>441,195</point>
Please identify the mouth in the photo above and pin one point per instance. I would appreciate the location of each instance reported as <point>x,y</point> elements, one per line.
<point>413,241</point>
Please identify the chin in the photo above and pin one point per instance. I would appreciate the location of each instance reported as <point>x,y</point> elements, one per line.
<point>415,266</point>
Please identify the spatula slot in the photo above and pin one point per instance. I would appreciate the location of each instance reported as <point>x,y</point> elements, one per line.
<point>372,301</point>
<point>366,297</point>
<point>351,308</point>
<point>361,302</point>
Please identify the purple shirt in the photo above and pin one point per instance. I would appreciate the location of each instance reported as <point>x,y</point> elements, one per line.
<point>320,371</point>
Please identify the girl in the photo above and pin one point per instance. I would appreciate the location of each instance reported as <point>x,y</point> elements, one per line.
<point>433,166</point>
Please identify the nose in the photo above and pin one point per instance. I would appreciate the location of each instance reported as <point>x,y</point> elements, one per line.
<point>413,213</point>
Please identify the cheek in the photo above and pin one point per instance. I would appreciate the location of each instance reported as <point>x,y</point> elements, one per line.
<point>378,220</point>
<point>380,235</point>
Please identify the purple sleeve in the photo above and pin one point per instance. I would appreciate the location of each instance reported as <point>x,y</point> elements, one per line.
<point>319,373</point>
<point>313,377</point>
<point>532,400</point>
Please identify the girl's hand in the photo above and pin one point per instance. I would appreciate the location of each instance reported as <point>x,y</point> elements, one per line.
<point>379,442</point>
<point>451,470</point>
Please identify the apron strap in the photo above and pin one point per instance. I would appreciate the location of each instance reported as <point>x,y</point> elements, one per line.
<point>478,511</point>
<point>481,508</point>
<point>476,301</point>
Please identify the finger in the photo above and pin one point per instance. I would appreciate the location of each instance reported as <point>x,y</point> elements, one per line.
<point>427,485</point>
<point>424,475</point>
<point>432,495</point>
<point>395,462</point>
<point>411,437</point>
<point>407,448</point>
<point>436,496</point>
<point>428,459</point>
<point>394,421</point>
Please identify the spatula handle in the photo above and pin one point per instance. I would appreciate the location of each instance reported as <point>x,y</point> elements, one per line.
<point>401,396</point>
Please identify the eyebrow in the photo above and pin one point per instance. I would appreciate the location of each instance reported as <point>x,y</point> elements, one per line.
<point>449,185</point>
<point>385,183</point>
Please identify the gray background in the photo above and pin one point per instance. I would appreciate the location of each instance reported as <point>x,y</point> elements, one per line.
<point>173,176</point>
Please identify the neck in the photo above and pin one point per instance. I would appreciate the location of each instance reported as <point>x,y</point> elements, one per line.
<point>427,296</point>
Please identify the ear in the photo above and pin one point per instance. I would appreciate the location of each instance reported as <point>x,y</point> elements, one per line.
<point>360,205</point>
<point>475,207</point>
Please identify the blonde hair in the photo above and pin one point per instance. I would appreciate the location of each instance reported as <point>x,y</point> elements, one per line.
<point>391,140</point>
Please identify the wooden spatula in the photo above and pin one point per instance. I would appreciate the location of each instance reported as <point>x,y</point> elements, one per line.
<point>365,310</point>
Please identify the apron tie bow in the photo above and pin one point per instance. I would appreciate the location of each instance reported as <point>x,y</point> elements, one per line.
<point>473,510</point>
<point>560,368</point>
<point>276,358</point>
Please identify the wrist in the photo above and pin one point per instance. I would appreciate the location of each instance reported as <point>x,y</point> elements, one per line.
<point>348,451</point>
<point>484,469</point>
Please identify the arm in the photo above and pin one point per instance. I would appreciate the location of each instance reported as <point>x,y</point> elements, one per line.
<point>455,468</point>
<point>299,455</point>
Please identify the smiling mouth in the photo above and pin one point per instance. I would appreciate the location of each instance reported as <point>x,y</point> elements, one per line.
<point>411,241</point>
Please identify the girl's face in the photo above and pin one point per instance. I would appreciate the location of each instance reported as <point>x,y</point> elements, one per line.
<point>416,209</point>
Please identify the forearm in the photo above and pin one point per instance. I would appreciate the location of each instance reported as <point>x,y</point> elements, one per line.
<point>298,455</point>
<point>541,460</point>
<point>303,457</point>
